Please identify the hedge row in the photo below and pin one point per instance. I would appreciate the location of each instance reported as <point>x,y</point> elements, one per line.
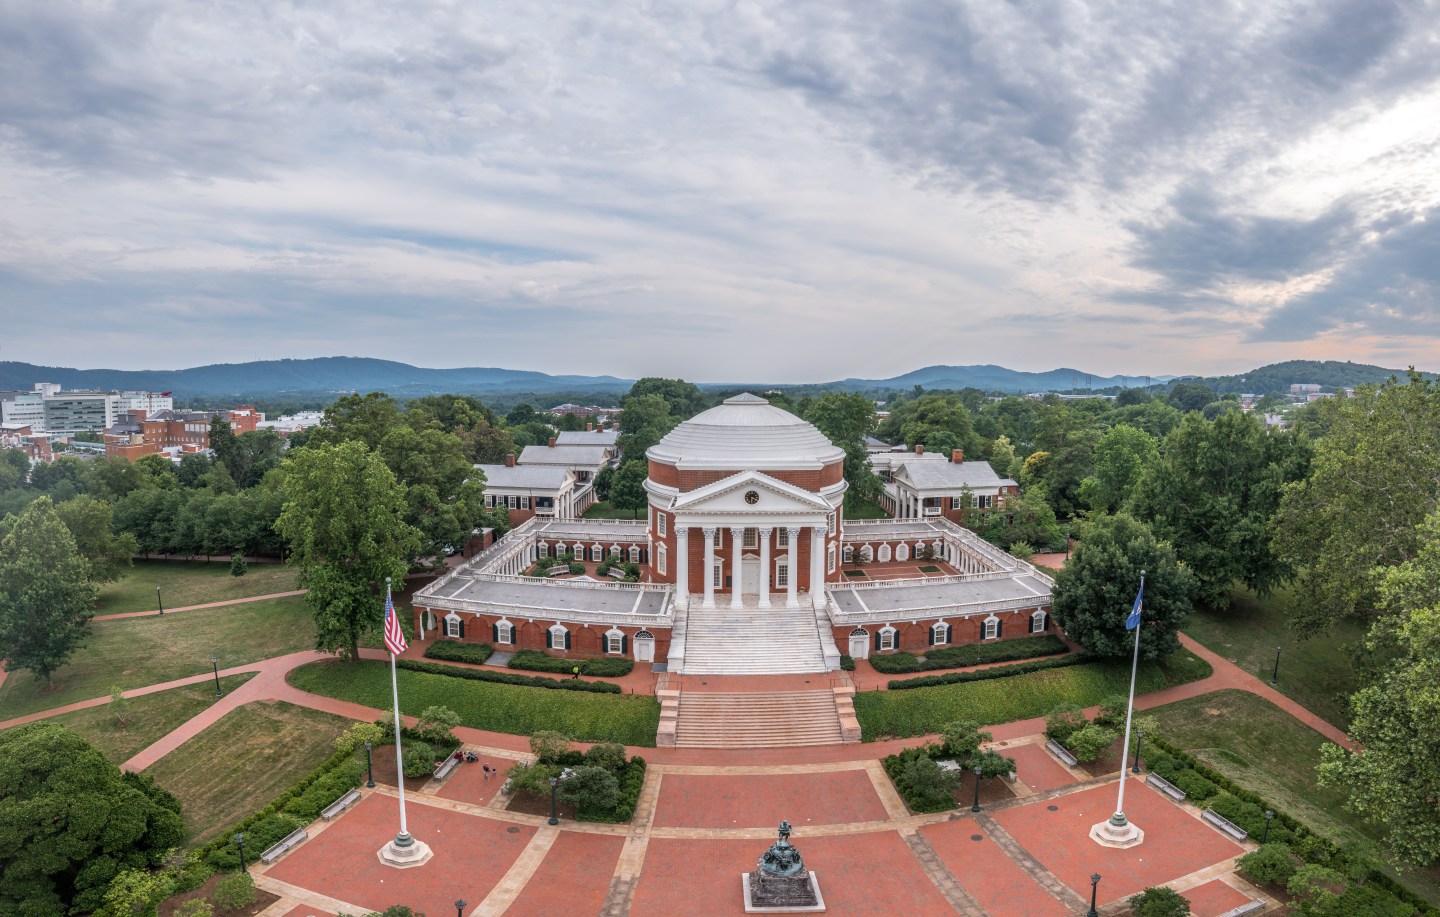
<point>1241,806</point>
<point>1004,671</point>
<point>895,766</point>
<point>598,666</point>
<point>632,780</point>
<point>953,657</point>
<point>506,678</point>
<point>455,651</point>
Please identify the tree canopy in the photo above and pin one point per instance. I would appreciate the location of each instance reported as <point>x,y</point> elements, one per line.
<point>46,591</point>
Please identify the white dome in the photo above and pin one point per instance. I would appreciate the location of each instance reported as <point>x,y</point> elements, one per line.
<point>746,433</point>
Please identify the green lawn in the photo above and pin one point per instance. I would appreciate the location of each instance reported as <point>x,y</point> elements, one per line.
<point>864,509</point>
<point>1317,672</point>
<point>603,510</point>
<point>134,652</point>
<point>251,755</point>
<point>149,718</point>
<point>920,711</point>
<point>626,718</point>
<point>1267,751</point>
<point>190,583</point>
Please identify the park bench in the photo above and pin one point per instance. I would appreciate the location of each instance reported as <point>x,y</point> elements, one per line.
<point>1061,752</point>
<point>1224,824</point>
<point>1166,787</point>
<point>279,850</point>
<point>617,572</point>
<point>1249,907</point>
<point>443,769</point>
<point>558,570</point>
<point>340,805</point>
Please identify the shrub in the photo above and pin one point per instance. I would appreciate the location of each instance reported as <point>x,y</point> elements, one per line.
<point>133,893</point>
<point>992,763</point>
<point>609,755</point>
<point>1271,864</point>
<point>1314,888</point>
<point>1021,550</point>
<point>1004,671</point>
<point>530,778</point>
<point>455,651</point>
<point>325,790</point>
<point>951,657</point>
<point>896,765</point>
<point>507,678</point>
<point>195,907</point>
<point>1249,816</point>
<point>1112,711</point>
<point>1089,742</point>
<point>435,723</point>
<point>419,759</point>
<point>925,780</point>
<point>963,739</point>
<point>261,833</point>
<point>357,735</point>
<point>895,663</point>
<point>591,788</point>
<point>187,871</point>
<point>395,910</point>
<point>598,666</point>
<point>1159,902</point>
<point>1063,721</point>
<point>237,565</point>
<point>1195,787</point>
<point>547,745</point>
<point>577,568</point>
<point>119,707</point>
<point>847,663</point>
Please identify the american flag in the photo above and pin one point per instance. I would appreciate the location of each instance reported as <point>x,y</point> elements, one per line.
<point>394,636</point>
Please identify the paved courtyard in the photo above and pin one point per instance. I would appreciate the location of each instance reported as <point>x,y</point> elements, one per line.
<point>697,828</point>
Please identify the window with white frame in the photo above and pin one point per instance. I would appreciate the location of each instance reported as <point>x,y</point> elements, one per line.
<point>717,576</point>
<point>719,537</point>
<point>578,551</point>
<point>504,632</point>
<point>867,554</point>
<point>634,554</point>
<point>559,637</point>
<point>452,625</point>
<point>939,633</point>
<point>983,501</point>
<point>614,642</point>
<point>783,538</point>
<point>992,627</point>
<point>782,574</point>
<point>524,502</point>
<point>660,523</point>
<point>902,551</point>
<point>597,553</point>
<point>887,637</point>
<point>542,549</point>
<point>614,550</point>
<point>830,524</point>
<point>830,559</point>
<point>849,554</point>
<point>661,556</point>
<point>512,501</point>
<point>884,554</point>
<point>752,538</point>
<point>1038,621</point>
<point>489,501</point>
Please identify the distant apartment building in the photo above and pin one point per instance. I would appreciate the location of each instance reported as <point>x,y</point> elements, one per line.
<point>139,433</point>
<point>1304,388</point>
<point>49,410</point>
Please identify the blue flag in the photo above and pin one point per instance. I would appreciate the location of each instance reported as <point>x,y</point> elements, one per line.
<point>1133,621</point>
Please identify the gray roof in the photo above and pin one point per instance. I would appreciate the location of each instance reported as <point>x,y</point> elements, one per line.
<point>545,594</point>
<point>534,477</point>
<point>926,475</point>
<point>564,455</point>
<point>587,438</point>
<point>903,599</point>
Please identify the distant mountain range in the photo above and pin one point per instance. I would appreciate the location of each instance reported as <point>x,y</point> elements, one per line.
<point>272,378</point>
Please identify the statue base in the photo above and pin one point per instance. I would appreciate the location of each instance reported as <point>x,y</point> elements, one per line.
<point>417,854</point>
<point>1106,834</point>
<point>776,895</point>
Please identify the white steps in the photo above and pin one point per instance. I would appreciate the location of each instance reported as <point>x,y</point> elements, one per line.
<point>750,641</point>
<point>717,719</point>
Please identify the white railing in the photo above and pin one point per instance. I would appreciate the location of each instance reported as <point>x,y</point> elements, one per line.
<point>841,616</point>
<point>569,583</point>
<point>930,580</point>
<point>661,618</point>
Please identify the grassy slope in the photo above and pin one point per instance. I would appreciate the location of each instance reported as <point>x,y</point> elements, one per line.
<point>603,510</point>
<point>1002,700</point>
<point>133,652</point>
<point>1317,672</point>
<point>190,583</point>
<point>250,756</point>
<point>149,718</point>
<point>629,719</point>
<point>1269,752</point>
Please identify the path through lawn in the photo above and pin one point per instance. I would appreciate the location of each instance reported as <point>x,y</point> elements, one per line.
<point>193,582</point>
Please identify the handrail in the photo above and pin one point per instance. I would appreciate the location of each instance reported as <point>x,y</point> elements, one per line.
<point>962,609</point>
<point>930,580</point>
<point>570,584</point>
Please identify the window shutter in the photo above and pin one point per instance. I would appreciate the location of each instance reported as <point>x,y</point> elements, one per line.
<point>877,641</point>
<point>549,639</point>
<point>495,633</point>
<point>567,639</point>
<point>624,644</point>
<point>462,628</point>
<point>999,628</point>
<point>932,635</point>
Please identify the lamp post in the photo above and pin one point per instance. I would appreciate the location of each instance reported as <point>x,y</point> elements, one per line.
<point>159,601</point>
<point>1139,740</point>
<point>975,807</point>
<point>460,907</point>
<point>1265,838</point>
<point>215,664</point>
<point>240,842</point>
<point>1275,675</point>
<point>1094,884</point>
<point>554,814</point>
<point>369,769</point>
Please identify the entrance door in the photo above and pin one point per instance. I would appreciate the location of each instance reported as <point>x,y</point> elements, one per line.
<point>750,576</point>
<point>859,646</point>
<point>644,647</point>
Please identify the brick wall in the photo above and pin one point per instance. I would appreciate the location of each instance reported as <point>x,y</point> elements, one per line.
<point>915,637</point>
<point>585,640</point>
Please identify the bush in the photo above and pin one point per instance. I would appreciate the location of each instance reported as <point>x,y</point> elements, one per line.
<point>434,725</point>
<point>992,763</point>
<point>1195,787</point>
<point>325,789</point>
<point>237,565</point>
<point>609,755</point>
<point>1004,671</point>
<point>1159,902</point>
<point>847,663</point>
<point>1112,711</point>
<point>548,746</point>
<point>419,759</point>
<point>597,666</point>
<point>952,657</point>
<point>591,788</point>
<point>895,663</point>
<point>916,782</point>
<point>354,738</point>
<point>506,678</point>
<point>455,651</point>
<point>234,891</point>
<point>577,568</point>
<point>530,778</point>
<point>119,707</point>
<point>261,833</point>
<point>1063,721</point>
<point>1271,864</point>
<point>963,739</point>
<point>134,893</point>
<point>1021,550</point>
<point>1089,742</point>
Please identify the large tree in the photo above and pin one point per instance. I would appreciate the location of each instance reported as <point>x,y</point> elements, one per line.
<point>1122,457</point>
<point>1394,781</point>
<point>1095,590</point>
<point>344,519</point>
<point>45,592</point>
<point>682,398</point>
<point>91,523</point>
<point>627,487</point>
<point>69,821</point>
<point>1374,477</point>
<point>1212,494</point>
<point>847,418</point>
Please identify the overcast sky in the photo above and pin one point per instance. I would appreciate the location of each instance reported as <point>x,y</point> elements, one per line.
<point>721,190</point>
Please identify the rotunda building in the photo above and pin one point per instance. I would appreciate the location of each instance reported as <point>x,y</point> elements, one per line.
<point>745,508</point>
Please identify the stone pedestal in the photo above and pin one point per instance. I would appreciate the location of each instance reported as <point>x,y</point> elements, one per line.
<point>416,853</point>
<point>1109,834</point>
<point>766,894</point>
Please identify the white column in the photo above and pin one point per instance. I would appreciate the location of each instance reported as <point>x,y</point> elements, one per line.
<point>682,566</point>
<point>765,568</point>
<point>817,563</point>
<point>792,570</point>
<point>709,567</point>
<point>737,538</point>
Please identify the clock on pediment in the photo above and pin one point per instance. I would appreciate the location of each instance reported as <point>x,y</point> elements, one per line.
<point>752,497</point>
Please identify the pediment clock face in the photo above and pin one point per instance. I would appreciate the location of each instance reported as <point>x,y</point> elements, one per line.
<point>752,497</point>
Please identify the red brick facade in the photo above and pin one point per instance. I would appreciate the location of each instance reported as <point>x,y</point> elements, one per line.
<point>532,634</point>
<point>914,637</point>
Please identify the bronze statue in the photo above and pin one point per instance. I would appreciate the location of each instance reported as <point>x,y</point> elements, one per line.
<point>780,878</point>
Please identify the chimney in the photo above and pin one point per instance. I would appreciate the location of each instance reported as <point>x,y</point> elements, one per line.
<point>510,460</point>
<point>589,428</point>
<point>919,450</point>
<point>552,442</point>
<point>957,456</point>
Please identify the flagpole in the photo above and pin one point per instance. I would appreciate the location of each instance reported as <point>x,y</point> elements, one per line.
<point>403,839</point>
<point>1118,819</point>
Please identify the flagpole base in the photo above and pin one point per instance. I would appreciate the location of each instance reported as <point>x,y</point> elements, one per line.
<point>1120,836</point>
<point>405,856</point>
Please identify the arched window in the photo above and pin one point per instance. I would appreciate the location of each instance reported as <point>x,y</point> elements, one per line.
<point>1039,621</point>
<point>902,551</point>
<point>542,549</point>
<point>597,553</point>
<point>859,632</point>
<point>578,551</point>
<point>660,558</point>
<point>504,632</point>
<point>992,628</point>
<point>849,554</point>
<point>453,627</point>
<point>615,642</point>
<point>614,550</point>
<point>557,638</point>
<point>884,554</point>
<point>886,638</point>
<point>867,554</point>
<point>939,633</point>
<point>830,559</point>
<point>634,554</point>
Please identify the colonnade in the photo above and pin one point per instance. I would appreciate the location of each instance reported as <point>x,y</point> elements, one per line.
<point>737,552</point>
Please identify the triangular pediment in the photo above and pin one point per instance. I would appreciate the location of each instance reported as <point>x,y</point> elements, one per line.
<point>750,492</point>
